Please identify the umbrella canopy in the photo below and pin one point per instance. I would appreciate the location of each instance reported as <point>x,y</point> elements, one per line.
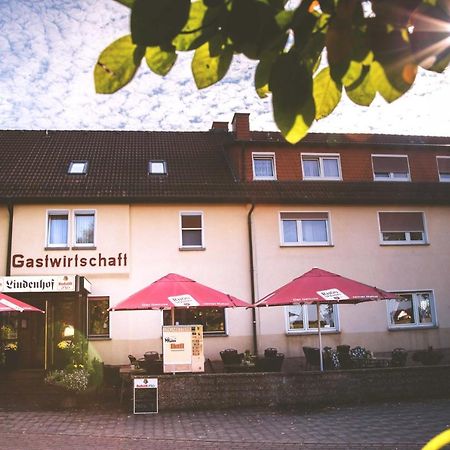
<point>175,291</point>
<point>321,287</point>
<point>9,304</point>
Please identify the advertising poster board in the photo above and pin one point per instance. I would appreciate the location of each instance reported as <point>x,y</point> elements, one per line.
<point>145,395</point>
<point>183,348</point>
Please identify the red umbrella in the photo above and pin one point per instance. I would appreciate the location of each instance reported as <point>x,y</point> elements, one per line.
<point>9,304</point>
<point>175,291</point>
<point>319,286</point>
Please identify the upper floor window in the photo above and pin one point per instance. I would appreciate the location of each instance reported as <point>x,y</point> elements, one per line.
<point>57,229</point>
<point>390,168</point>
<point>443,163</point>
<point>414,309</point>
<point>326,167</point>
<point>157,167</point>
<point>84,228</point>
<point>264,166</point>
<point>191,230</point>
<point>78,167</point>
<point>305,228</point>
<point>402,228</point>
<point>212,319</point>
<point>98,317</point>
<point>303,318</point>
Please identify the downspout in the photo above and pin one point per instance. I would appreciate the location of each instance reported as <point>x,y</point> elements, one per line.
<point>252,277</point>
<point>10,235</point>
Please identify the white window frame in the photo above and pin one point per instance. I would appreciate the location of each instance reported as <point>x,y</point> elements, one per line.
<point>408,240</point>
<point>320,157</point>
<point>416,325</point>
<point>81,212</point>
<point>301,242</point>
<point>391,175</point>
<point>74,163</point>
<point>264,155</point>
<point>306,329</point>
<point>202,246</point>
<point>155,162</point>
<point>56,212</point>
<point>445,179</point>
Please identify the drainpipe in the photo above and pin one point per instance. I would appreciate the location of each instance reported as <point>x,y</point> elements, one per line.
<point>10,234</point>
<point>252,277</point>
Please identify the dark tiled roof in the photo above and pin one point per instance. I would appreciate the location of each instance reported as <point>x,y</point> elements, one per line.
<point>33,168</point>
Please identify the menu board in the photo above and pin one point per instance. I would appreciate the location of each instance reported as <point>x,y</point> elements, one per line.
<point>183,348</point>
<point>145,395</point>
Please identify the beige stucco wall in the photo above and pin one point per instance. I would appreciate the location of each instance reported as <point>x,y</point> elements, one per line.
<point>150,237</point>
<point>4,225</point>
<point>356,253</point>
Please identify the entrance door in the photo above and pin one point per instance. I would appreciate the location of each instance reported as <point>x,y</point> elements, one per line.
<point>61,325</point>
<point>31,334</point>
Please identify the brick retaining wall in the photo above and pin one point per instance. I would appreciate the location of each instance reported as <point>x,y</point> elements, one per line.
<point>308,389</point>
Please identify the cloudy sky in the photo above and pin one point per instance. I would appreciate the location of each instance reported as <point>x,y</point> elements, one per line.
<point>49,49</point>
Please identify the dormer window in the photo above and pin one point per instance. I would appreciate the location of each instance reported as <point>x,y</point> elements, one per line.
<point>443,163</point>
<point>390,168</point>
<point>157,167</point>
<point>321,167</point>
<point>264,166</point>
<point>78,167</point>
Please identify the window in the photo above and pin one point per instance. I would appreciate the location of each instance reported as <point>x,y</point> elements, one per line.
<point>390,168</point>
<point>57,231</point>
<point>78,167</point>
<point>212,319</point>
<point>264,166</point>
<point>157,168</point>
<point>325,167</point>
<point>84,228</point>
<point>443,163</point>
<point>191,230</point>
<point>304,228</point>
<point>402,228</point>
<point>415,309</point>
<point>303,318</point>
<point>98,317</point>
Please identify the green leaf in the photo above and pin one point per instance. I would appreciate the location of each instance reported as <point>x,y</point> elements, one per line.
<point>160,61</point>
<point>202,25</point>
<point>362,91</point>
<point>157,22</point>
<point>211,62</point>
<point>292,99</point>
<point>326,92</point>
<point>381,83</point>
<point>117,65</point>
<point>353,73</point>
<point>128,3</point>
<point>262,75</point>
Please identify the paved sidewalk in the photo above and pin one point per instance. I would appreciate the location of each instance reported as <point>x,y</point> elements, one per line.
<point>404,425</point>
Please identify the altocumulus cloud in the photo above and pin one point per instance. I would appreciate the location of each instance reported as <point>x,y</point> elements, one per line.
<point>49,50</point>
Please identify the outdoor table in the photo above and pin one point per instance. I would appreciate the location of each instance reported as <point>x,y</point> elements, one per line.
<point>378,362</point>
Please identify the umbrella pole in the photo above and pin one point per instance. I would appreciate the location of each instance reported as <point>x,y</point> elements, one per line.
<point>172,313</point>
<point>320,337</point>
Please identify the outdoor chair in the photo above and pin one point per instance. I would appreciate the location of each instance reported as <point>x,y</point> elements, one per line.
<point>231,358</point>
<point>272,361</point>
<point>312,356</point>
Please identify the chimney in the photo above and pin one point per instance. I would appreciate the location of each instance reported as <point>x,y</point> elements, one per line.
<point>241,127</point>
<point>219,126</point>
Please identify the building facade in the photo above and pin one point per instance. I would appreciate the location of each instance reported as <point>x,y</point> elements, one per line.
<point>87,218</point>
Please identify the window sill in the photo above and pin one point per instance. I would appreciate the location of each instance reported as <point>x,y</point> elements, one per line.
<point>321,179</point>
<point>322,331</point>
<point>57,248</point>
<point>192,249</point>
<point>87,247</point>
<point>99,338</point>
<point>218,334</point>
<point>305,245</point>
<point>264,179</point>
<point>412,327</point>
<point>400,243</point>
<point>393,180</point>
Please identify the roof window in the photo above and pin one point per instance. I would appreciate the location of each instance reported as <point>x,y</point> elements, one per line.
<point>78,167</point>
<point>157,167</point>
